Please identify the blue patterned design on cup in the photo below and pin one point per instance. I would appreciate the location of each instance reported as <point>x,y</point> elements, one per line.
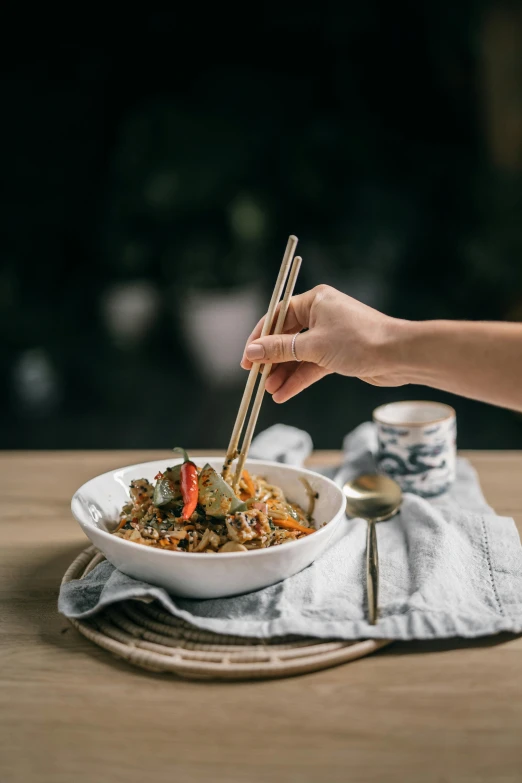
<point>417,446</point>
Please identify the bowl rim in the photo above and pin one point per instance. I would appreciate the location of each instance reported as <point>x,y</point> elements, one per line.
<point>223,555</point>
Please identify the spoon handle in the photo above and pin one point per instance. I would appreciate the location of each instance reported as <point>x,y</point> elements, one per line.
<point>372,573</point>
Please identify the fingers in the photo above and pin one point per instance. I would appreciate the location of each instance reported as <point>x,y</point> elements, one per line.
<point>253,336</point>
<point>279,375</point>
<point>246,364</point>
<point>297,318</point>
<point>303,376</point>
<point>277,348</point>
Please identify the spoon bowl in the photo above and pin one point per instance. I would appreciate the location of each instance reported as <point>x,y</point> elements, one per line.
<point>375,498</point>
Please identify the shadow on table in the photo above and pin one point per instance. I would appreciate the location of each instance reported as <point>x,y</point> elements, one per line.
<point>39,585</point>
<point>418,647</point>
<point>38,588</point>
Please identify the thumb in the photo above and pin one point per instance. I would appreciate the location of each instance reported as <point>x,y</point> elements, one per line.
<point>277,348</point>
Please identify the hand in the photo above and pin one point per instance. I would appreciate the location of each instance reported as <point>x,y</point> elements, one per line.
<point>344,336</point>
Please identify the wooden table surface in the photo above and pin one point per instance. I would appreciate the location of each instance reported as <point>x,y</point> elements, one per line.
<point>71,713</point>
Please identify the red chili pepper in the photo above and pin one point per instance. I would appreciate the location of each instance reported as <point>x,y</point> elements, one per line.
<point>189,484</point>
<point>158,476</point>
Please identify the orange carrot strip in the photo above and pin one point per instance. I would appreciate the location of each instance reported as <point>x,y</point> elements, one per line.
<point>120,524</point>
<point>291,524</point>
<point>247,478</point>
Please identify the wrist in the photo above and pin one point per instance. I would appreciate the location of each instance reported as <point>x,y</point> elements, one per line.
<point>418,350</point>
<point>404,350</point>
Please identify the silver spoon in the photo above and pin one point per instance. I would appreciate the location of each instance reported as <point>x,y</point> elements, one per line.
<point>375,498</point>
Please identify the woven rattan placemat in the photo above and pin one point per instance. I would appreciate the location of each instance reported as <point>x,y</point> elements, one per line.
<point>147,636</point>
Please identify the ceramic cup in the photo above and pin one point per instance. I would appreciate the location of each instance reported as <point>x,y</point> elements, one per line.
<point>417,445</point>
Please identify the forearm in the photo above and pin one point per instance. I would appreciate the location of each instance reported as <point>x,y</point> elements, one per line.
<point>479,360</point>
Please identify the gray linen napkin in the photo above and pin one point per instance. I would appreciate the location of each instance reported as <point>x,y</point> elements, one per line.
<point>449,567</point>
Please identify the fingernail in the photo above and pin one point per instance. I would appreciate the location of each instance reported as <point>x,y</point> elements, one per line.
<point>254,352</point>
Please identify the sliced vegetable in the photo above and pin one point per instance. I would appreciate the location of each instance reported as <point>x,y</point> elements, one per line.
<point>291,524</point>
<point>247,478</point>
<point>292,512</point>
<point>189,484</point>
<point>216,496</point>
<point>168,489</point>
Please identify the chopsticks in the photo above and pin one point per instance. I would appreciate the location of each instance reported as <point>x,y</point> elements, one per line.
<point>247,440</point>
<point>232,451</point>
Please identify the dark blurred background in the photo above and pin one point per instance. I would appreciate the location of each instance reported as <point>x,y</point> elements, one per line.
<point>154,164</point>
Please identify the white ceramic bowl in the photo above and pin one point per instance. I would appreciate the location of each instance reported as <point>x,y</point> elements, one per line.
<point>96,506</point>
